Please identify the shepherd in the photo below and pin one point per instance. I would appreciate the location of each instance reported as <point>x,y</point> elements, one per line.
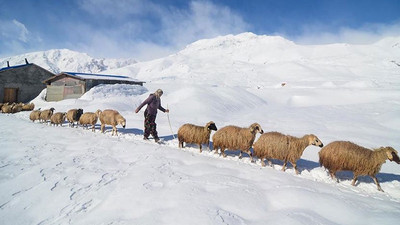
<point>153,104</point>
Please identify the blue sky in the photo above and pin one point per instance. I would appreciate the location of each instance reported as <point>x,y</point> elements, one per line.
<point>148,29</point>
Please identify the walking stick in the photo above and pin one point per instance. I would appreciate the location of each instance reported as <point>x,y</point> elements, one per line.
<point>170,127</point>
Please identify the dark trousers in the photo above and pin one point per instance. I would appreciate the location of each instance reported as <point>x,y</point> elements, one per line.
<point>150,126</point>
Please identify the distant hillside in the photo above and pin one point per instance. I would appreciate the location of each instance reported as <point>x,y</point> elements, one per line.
<point>261,61</point>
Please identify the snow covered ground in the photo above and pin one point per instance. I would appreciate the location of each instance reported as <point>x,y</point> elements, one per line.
<point>63,175</point>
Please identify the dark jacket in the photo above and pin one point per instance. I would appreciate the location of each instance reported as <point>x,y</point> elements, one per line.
<point>153,103</point>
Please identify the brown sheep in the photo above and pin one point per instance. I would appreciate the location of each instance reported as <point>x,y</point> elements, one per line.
<point>233,137</point>
<point>113,118</point>
<point>90,118</point>
<point>28,107</point>
<point>73,115</point>
<point>345,155</point>
<point>35,115</point>
<point>274,145</point>
<point>190,133</point>
<point>58,118</point>
<point>7,108</point>
<point>17,107</point>
<point>45,115</point>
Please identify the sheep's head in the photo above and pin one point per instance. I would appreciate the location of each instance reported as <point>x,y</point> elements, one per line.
<point>52,109</point>
<point>79,112</point>
<point>98,112</point>
<point>392,154</point>
<point>211,126</point>
<point>121,120</point>
<point>313,140</point>
<point>255,127</point>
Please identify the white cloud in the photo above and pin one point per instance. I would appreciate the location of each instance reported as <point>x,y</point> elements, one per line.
<point>366,34</point>
<point>168,30</point>
<point>12,30</point>
<point>21,29</point>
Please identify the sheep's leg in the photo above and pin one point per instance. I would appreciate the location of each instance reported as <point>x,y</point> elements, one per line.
<point>223,152</point>
<point>215,149</point>
<point>284,166</point>
<point>262,162</point>
<point>333,176</point>
<point>354,180</point>
<point>250,155</point>
<point>93,127</point>
<point>180,144</point>
<point>102,127</point>
<point>295,167</point>
<point>270,162</point>
<point>200,148</point>
<point>377,183</point>
<point>240,155</point>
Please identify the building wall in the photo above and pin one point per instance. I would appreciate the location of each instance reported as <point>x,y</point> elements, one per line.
<point>28,79</point>
<point>65,88</point>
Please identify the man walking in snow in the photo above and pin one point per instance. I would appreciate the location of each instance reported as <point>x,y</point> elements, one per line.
<point>153,104</point>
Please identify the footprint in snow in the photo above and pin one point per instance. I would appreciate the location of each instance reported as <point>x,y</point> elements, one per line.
<point>153,185</point>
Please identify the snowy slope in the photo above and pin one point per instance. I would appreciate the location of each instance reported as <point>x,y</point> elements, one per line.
<point>62,175</point>
<point>58,60</point>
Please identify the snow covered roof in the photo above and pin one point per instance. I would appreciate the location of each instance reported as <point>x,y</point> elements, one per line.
<point>14,67</point>
<point>92,76</point>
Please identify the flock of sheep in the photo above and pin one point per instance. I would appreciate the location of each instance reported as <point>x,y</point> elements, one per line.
<point>336,156</point>
<point>106,117</point>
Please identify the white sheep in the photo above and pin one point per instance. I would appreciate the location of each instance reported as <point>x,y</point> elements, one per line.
<point>58,118</point>
<point>73,115</point>
<point>345,155</point>
<point>236,138</point>
<point>190,133</point>
<point>89,118</point>
<point>35,115</point>
<point>275,145</point>
<point>45,115</point>
<point>113,118</point>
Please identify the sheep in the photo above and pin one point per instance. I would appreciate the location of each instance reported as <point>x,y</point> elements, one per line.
<point>113,118</point>
<point>90,118</point>
<point>35,115</point>
<point>73,115</point>
<point>45,115</point>
<point>7,108</point>
<point>3,105</point>
<point>275,145</point>
<point>17,107</point>
<point>58,118</point>
<point>233,137</point>
<point>28,107</point>
<point>345,155</point>
<point>190,133</point>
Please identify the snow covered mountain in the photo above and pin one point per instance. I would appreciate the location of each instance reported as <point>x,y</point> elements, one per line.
<point>261,61</point>
<point>58,60</point>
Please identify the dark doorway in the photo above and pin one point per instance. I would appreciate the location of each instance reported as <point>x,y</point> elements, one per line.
<point>10,95</point>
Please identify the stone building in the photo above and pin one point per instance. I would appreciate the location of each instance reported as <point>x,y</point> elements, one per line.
<point>22,83</point>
